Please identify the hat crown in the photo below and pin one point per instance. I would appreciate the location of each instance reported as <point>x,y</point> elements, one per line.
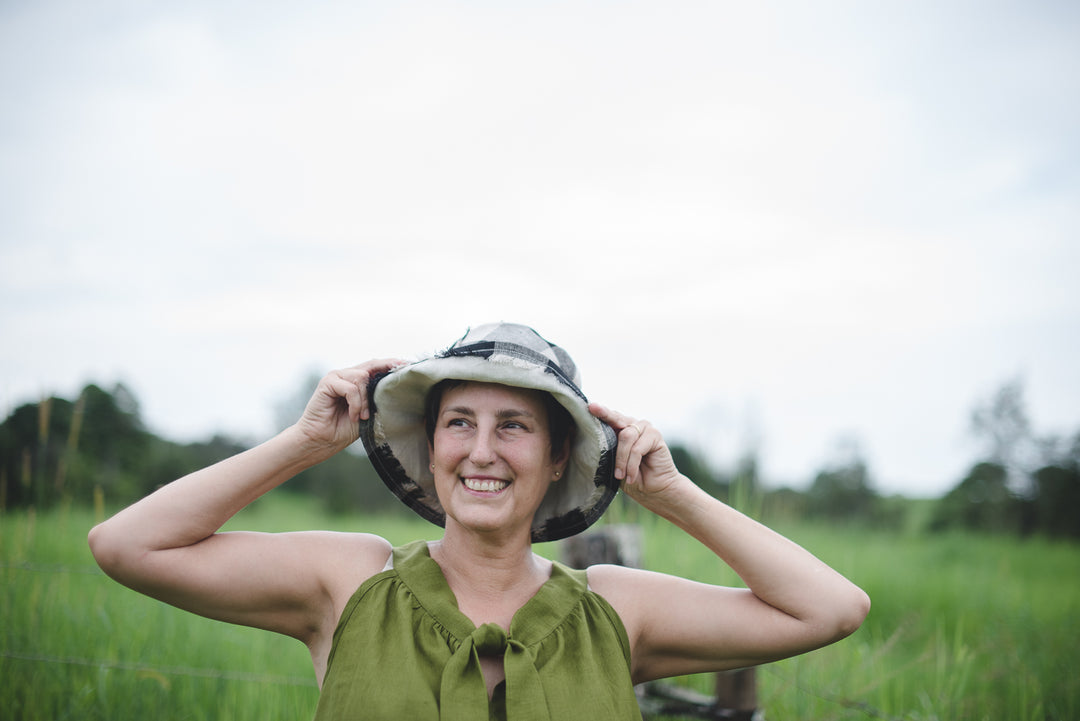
<point>517,343</point>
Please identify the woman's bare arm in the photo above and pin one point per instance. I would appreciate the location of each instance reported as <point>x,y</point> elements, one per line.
<point>793,602</point>
<point>168,545</point>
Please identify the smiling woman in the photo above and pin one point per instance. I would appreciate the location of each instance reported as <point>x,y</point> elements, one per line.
<point>493,440</point>
<point>399,435</point>
<point>493,443</point>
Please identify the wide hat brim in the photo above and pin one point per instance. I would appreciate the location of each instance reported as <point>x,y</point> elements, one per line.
<point>395,437</point>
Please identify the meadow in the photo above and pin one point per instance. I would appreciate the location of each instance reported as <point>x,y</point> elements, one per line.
<point>962,627</point>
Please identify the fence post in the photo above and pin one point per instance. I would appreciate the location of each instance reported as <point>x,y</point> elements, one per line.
<point>616,544</point>
<point>736,692</point>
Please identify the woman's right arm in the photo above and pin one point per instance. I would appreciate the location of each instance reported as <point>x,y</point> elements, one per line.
<point>168,545</point>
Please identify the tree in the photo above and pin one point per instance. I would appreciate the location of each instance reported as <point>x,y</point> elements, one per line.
<point>57,449</point>
<point>1001,423</point>
<point>694,467</point>
<point>1057,503</point>
<point>1057,488</point>
<point>843,489</point>
<point>982,501</point>
<point>1023,484</point>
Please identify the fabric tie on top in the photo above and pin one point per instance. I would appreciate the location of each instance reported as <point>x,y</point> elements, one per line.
<point>464,693</point>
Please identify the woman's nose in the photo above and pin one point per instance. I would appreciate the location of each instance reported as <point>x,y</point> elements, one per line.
<point>482,452</point>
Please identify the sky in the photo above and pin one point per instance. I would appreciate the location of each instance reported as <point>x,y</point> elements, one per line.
<point>787,229</point>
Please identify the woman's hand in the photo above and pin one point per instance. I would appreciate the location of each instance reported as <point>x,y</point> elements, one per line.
<point>332,418</point>
<point>642,461</point>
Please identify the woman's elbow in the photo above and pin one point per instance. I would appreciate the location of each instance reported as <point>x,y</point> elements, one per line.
<point>97,539</point>
<point>851,613</point>
<point>109,551</point>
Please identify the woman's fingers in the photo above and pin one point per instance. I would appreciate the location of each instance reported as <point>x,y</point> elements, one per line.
<point>356,379</point>
<point>636,439</point>
<point>640,440</point>
<point>341,401</point>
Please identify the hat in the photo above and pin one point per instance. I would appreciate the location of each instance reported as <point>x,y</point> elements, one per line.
<point>395,437</point>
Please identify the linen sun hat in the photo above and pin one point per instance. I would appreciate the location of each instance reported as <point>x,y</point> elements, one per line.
<point>396,441</point>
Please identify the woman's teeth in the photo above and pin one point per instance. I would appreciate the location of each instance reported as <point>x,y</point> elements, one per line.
<point>477,485</point>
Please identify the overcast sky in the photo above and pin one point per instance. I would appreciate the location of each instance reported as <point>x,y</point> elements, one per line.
<point>760,225</point>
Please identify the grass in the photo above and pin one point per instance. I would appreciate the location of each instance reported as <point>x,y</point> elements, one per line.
<point>963,627</point>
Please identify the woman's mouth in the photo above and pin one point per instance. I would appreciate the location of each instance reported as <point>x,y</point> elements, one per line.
<point>488,485</point>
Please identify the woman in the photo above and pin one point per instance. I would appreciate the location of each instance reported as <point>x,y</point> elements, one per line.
<point>493,440</point>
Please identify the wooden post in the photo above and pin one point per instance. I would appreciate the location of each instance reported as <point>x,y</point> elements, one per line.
<point>736,692</point>
<point>616,544</point>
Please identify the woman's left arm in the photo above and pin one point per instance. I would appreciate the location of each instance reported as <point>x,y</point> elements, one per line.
<point>793,602</point>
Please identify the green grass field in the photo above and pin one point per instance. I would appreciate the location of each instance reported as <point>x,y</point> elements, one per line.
<point>963,627</point>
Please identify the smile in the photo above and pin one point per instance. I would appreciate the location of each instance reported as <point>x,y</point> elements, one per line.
<point>488,485</point>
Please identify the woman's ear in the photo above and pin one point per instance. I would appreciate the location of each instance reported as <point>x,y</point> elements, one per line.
<point>559,459</point>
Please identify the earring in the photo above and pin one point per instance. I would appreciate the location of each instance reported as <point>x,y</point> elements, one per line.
<point>557,475</point>
<point>432,467</point>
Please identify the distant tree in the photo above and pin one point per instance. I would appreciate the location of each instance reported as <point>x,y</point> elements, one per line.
<point>694,467</point>
<point>1057,503</point>
<point>1057,489</point>
<point>30,452</point>
<point>167,461</point>
<point>57,449</point>
<point>1024,483</point>
<point>1001,424</point>
<point>843,489</point>
<point>983,501</point>
<point>114,440</point>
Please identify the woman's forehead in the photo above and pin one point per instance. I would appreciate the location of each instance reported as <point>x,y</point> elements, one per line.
<point>478,393</point>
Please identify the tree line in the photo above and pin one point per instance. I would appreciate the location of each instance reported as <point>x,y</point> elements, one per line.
<point>96,449</point>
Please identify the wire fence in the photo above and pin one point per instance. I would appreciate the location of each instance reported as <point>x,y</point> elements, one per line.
<point>163,670</point>
<point>53,568</point>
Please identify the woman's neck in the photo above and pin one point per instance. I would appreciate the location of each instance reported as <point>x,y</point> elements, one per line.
<point>488,577</point>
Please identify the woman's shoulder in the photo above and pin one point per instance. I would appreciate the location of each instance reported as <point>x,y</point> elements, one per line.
<point>609,579</point>
<point>631,591</point>
<point>333,543</point>
<point>343,559</point>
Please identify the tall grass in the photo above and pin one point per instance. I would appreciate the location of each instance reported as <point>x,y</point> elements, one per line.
<point>963,627</point>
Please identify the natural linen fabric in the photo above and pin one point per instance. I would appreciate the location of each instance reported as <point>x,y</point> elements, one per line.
<point>403,650</point>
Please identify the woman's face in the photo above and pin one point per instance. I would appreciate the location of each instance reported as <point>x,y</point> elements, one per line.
<point>492,455</point>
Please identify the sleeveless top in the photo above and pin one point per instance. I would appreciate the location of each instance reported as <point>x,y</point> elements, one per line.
<point>403,651</point>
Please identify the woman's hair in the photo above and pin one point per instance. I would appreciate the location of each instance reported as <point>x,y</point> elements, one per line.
<point>561,427</point>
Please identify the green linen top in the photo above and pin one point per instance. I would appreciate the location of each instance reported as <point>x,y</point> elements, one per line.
<point>403,650</point>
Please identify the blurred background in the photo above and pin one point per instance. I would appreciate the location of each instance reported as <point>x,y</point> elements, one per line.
<point>830,241</point>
